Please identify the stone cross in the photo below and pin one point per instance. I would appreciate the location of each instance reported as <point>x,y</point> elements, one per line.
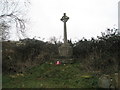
<point>65,19</point>
<point>65,50</point>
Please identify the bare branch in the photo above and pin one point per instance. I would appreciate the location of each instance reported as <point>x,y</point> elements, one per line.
<point>12,12</point>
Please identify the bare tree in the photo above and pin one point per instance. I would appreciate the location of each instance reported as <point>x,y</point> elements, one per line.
<point>53,40</point>
<point>4,28</point>
<point>12,14</point>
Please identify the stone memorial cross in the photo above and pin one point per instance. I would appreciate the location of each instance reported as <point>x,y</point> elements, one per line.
<point>65,50</point>
<point>65,19</point>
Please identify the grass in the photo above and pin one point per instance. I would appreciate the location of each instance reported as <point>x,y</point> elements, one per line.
<point>49,75</point>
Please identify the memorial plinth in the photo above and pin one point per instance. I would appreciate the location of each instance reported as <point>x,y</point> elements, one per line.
<point>65,50</point>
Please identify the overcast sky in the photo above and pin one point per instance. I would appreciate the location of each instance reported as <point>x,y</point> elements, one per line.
<point>88,18</point>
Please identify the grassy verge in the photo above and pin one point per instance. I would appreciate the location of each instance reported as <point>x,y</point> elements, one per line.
<point>49,75</point>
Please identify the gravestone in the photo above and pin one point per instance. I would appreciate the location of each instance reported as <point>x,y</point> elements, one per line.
<point>104,81</point>
<point>108,81</point>
<point>65,50</point>
<point>118,80</point>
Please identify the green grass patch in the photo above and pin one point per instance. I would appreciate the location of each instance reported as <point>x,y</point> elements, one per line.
<point>49,75</point>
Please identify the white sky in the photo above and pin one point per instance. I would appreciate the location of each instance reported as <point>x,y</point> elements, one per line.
<point>88,18</point>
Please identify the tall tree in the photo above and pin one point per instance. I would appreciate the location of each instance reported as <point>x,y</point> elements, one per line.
<point>12,14</point>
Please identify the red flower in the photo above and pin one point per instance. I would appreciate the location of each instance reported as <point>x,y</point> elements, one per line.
<point>58,62</point>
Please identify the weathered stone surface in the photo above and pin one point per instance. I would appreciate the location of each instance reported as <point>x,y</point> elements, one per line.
<point>108,81</point>
<point>118,80</point>
<point>66,60</point>
<point>104,81</point>
<point>65,19</point>
<point>65,50</point>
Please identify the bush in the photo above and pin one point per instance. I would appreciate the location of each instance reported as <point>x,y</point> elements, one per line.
<point>16,55</point>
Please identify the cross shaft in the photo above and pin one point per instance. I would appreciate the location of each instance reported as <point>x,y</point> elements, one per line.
<point>65,19</point>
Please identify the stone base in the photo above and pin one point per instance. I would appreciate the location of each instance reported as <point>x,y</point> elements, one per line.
<point>65,50</point>
<point>66,61</point>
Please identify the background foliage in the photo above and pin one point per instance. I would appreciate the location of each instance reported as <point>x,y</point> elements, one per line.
<point>101,54</point>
